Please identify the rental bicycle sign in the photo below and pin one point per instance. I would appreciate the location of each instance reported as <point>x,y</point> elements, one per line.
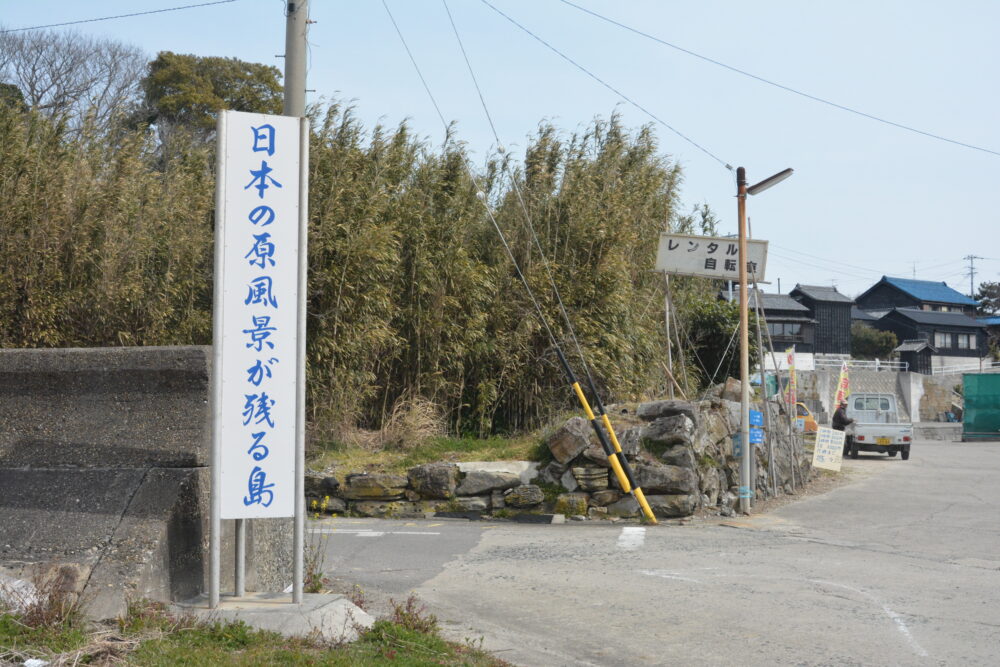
<point>709,257</point>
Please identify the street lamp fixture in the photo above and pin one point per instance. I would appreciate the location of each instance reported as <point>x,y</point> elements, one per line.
<point>769,182</point>
<point>746,483</point>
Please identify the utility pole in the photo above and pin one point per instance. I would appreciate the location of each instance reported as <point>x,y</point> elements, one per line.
<point>972,273</point>
<point>296,26</point>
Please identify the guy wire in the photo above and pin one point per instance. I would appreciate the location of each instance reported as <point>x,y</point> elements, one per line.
<point>524,210</point>
<point>480,192</point>
<point>612,448</point>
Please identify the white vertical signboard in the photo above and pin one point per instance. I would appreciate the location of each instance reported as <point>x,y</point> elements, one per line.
<point>256,315</point>
<point>829,448</point>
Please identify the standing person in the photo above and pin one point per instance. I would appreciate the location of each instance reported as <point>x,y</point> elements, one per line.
<point>840,418</point>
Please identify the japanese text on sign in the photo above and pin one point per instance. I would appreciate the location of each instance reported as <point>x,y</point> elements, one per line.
<point>259,232</point>
<point>708,256</point>
<point>828,451</point>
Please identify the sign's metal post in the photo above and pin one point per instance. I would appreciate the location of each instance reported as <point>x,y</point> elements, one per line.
<point>300,363</point>
<point>215,528</point>
<point>239,586</point>
<point>258,339</point>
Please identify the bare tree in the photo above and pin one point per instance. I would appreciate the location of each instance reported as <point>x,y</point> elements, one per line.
<point>72,76</point>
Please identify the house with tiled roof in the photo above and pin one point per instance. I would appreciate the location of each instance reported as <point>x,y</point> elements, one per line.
<point>788,321</point>
<point>929,311</point>
<point>954,338</point>
<point>832,312</point>
<point>889,293</point>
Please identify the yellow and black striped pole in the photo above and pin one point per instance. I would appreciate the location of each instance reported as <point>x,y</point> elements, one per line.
<point>612,449</point>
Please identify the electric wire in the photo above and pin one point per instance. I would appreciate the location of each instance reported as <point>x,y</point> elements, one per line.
<point>615,455</point>
<point>119,16</point>
<point>725,354</point>
<point>813,264</point>
<point>781,86</point>
<point>475,181</point>
<point>612,88</point>
<point>524,207</point>
<point>815,257</point>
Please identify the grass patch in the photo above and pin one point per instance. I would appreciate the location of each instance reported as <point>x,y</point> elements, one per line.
<point>351,458</point>
<point>149,635</point>
<point>387,642</point>
<point>17,637</point>
<point>550,491</point>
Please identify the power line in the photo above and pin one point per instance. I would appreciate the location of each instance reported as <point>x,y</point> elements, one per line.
<point>119,16</point>
<point>834,268</point>
<point>612,88</point>
<point>824,259</point>
<point>779,85</point>
<point>616,457</point>
<point>524,207</point>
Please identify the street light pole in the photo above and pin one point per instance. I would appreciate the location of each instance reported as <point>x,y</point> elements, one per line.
<point>745,481</point>
<point>746,484</point>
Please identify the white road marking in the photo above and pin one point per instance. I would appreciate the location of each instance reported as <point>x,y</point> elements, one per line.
<point>668,575</point>
<point>631,538</point>
<point>896,618</point>
<point>361,532</point>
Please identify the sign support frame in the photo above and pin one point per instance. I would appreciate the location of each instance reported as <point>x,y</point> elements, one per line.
<point>217,375</point>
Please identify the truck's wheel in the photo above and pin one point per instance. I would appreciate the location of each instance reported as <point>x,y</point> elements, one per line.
<point>852,448</point>
<point>906,454</point>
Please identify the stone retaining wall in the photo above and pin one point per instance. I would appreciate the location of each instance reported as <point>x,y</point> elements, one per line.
<point>681,454</point>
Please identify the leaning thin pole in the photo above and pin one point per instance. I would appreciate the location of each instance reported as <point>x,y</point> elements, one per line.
<point>612,448</point>
<point>612,451</point>
<point>759,308</point>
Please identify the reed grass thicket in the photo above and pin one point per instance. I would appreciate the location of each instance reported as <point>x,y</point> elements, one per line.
<point>106,239</point>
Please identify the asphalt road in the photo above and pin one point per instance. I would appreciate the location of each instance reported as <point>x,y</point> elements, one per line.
<point>900,566</point>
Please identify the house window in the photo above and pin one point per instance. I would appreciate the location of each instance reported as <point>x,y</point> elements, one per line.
<point>942,339</point>
<point>784,329</point>
<point>964,341</point>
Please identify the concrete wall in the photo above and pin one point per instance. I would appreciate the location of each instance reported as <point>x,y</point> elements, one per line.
<point>938,395</point>
<point>104,458</point>
<point>922,398</point>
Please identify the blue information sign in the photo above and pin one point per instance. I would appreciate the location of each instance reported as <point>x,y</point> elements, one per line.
<point>756,418</point>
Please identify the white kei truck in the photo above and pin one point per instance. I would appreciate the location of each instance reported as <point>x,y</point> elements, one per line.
<point>876,426</point>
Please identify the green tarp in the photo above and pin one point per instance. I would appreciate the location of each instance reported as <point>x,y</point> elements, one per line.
<point>981,418</point>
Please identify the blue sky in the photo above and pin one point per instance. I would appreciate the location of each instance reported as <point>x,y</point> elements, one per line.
<point>866,199</point>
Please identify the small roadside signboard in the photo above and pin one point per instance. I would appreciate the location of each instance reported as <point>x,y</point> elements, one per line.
<point>709,257</point>
<point>829,448</point>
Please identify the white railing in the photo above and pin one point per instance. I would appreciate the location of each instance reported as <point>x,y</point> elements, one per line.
<point>864,364</point>
<point>971,367</point>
